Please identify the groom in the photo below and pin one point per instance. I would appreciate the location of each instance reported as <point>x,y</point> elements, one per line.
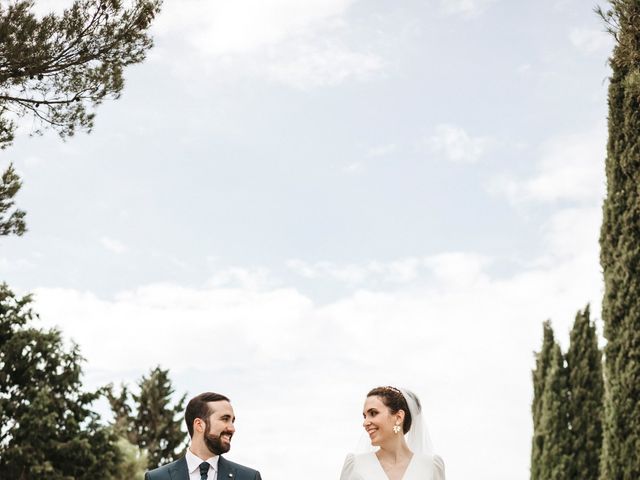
<point>210,419</point>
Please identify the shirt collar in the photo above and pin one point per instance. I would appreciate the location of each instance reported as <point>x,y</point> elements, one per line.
<point>193,461</point>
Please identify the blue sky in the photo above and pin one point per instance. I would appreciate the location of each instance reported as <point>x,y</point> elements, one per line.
<point>293,202</point>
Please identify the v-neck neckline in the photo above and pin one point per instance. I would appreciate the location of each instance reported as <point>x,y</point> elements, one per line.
<point>385,476</point>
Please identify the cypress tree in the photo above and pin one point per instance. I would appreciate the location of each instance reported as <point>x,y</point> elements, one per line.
<point>620,249</point>
<point>586,387</point>
<point>554,462</point>
<point>543,360</point>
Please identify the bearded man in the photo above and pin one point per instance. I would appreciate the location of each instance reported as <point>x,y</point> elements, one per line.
<point>210,422</point>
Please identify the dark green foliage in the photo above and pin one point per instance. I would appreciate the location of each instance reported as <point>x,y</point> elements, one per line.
<point>58,68</point>
<point>120,406</point>
<point>47,427</point>
<point>11,219</point>
<point>620,249</point>
<point>154,425</point>
<point>554,421</point>
<point>586,386</point>
<point>158,425</point>
<point>543,361</point>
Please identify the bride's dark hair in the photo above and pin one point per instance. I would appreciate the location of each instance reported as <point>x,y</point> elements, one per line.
<point>395,401</point>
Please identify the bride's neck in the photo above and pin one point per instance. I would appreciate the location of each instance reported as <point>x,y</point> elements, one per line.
<point>395,451</point>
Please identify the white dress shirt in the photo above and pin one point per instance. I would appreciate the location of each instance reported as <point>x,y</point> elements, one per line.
<point>193,464</point>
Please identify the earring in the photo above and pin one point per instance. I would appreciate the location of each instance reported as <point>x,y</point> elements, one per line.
<point>396,428</point>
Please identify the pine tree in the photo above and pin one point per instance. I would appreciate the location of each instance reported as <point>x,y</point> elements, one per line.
<point>122,413</point>
<point>543,360</point>
<point>620,249</point>
<point>554,462</point>
<point>11,219</point>
<point>58,68</point>
<point>586,408</point>
<point>151,423</point>
<point>47,427</point>
<point>158,425</point>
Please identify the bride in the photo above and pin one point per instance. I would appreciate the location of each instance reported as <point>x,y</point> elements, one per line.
<point>388,411</point>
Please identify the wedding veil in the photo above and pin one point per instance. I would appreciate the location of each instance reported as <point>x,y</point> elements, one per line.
<point>417,437</point>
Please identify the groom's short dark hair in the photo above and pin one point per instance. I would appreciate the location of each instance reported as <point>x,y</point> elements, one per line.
<point>198,407</point>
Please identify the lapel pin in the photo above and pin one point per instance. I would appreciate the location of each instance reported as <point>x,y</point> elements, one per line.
<point>231,475</point>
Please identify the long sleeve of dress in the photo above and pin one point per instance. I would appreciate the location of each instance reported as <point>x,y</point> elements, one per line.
<point>438,468</point>
<point>347,468</point>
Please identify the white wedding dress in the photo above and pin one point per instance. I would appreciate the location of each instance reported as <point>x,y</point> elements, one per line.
<point>365,466</point>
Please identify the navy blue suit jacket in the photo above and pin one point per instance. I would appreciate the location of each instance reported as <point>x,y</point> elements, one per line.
<point>178,470</point>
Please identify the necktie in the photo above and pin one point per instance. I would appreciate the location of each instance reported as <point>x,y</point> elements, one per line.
<point>204,470</point>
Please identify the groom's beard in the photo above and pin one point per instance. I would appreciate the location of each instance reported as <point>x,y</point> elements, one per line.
<point>214,442</point>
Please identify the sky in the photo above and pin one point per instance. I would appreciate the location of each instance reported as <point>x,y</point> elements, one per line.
<point>296,201</point>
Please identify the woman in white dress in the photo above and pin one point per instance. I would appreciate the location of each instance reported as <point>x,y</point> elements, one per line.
<point>394,424</point>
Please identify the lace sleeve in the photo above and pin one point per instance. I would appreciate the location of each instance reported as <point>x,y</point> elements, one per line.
<point>347,468</point>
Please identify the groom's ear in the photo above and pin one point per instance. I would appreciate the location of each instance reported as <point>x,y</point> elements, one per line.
<point>198,425</point>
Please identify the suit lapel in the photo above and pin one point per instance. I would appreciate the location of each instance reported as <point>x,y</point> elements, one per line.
<point>225,470</point>
<point>179,470</point>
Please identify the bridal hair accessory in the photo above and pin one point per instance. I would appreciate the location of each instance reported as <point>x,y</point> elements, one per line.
<point>393,389</point>
<point>396,428</point>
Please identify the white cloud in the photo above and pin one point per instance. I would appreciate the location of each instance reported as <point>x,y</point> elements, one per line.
<point>590,40</point>
<point>113,245</point>
<point>464,7</point>
<point>458,269</point>
<point>566,227</point>
<point>457,145</point>
<point>448,269</point>
<point>240,26</point>
<point>350,274</point>
<point>311,66</point>
<point>570,168</point>
<point>301,45</point>
<point>234,313</point>
<point>248,278</point>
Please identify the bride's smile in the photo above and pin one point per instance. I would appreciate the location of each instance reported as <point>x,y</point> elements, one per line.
<point>379,421</point>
